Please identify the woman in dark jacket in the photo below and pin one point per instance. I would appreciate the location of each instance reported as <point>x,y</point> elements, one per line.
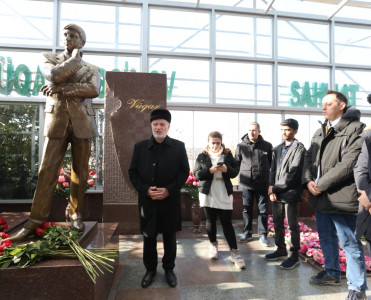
<point>215,167</point>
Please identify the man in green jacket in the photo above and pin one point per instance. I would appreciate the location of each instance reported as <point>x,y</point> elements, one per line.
<point>328,175</point>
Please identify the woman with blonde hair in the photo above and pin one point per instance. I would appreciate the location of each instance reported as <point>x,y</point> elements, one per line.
<point>214,168</point>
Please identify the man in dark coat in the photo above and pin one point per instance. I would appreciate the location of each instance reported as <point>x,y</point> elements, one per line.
<point>254,156</point>
<point>285,192</point>
<point>158,169</point>
<point>328,175</point>
<point>362,176</point>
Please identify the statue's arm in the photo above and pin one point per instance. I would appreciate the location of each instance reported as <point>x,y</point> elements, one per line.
<point>59,73</point>
<point>88,85</point>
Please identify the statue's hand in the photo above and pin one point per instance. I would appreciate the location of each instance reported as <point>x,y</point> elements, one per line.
<point>77,53</point>
<point>51,89</point>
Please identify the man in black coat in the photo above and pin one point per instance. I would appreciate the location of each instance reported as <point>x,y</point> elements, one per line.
<point>285,192</point>
<point>254,156</point>
<point>158,170</point>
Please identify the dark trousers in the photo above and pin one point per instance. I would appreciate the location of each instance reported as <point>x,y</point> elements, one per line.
<point>248,197</point>
<point>225,217</point>
<point>291,210</point>
<point>150,258</point>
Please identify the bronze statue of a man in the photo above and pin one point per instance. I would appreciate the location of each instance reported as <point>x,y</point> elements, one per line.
<point>69,119</point>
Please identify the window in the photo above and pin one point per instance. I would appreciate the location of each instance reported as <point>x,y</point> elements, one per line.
<point>26,22</point>
<point>20,74</point>
<point>188,80</point>
<point>352,44</point>
<point>303,40</point>
<point>302,86</point>
<point>243,83</point>
<point>105,26</point>
<point>243,35</point>
<point>355,85</point>
<point>179,31</point>
<point>19,140</point>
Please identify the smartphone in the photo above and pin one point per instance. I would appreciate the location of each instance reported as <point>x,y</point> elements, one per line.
<point>220,163</point>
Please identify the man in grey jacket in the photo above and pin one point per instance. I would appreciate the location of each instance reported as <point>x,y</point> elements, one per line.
<point>328,175</point>
<point>285,192</point>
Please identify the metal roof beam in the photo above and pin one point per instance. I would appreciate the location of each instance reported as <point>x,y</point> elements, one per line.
<point>338,7</point>
<point>269,5</point>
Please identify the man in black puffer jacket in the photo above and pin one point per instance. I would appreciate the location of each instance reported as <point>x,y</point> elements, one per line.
<point>254,156</point>
<point>328,175</point>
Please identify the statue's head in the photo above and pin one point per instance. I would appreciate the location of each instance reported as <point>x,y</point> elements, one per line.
<point>79,30</point>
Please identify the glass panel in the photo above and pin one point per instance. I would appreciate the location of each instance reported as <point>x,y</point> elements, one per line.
<point>302,86</point>
<point>182,129</point>
<point>352,45</point>
<point>19,74</point>
<point>303,40</point>
<point>359,10</point>
<point>98,22</point>
<point>19,140</point>
<point>267,122</point>
<point>172,31</point>
<point>26,22</point>
<point>113,63</point>
<point>129,31</point>
<point>241,35</point>
<point>187,80</point>
<point>243,83</point>
<point>303,134</point>
<point>355,85</point>
<point>244,120</point>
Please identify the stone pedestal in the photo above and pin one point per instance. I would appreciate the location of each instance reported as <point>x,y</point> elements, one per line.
<point>61,278</point>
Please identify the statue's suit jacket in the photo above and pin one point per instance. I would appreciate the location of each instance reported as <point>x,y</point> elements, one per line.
<point>74,102</point>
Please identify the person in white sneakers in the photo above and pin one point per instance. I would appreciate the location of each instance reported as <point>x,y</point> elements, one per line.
<point>214,168</point>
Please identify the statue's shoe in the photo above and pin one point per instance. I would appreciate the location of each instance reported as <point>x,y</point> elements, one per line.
<point>22,235</point>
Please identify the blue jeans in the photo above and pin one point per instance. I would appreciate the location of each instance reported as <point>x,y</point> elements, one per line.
<point>333,228</point>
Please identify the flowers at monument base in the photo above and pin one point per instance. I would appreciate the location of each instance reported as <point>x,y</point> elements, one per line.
<point>55,239</point>
<point>310,245</point>
<point>3,235</point>
<point>3,224</point>
<point>191,186</point>
<point>63,186</point>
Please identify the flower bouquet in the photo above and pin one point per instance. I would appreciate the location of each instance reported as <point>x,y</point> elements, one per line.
<point>57,241</point>
<point>191,186</point>
<point>63,186</point>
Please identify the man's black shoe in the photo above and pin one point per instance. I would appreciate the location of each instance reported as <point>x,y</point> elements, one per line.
<point>147,278</point>
<point>171,278</point>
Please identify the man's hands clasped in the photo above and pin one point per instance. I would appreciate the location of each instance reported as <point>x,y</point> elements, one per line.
<point>157,193</point>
